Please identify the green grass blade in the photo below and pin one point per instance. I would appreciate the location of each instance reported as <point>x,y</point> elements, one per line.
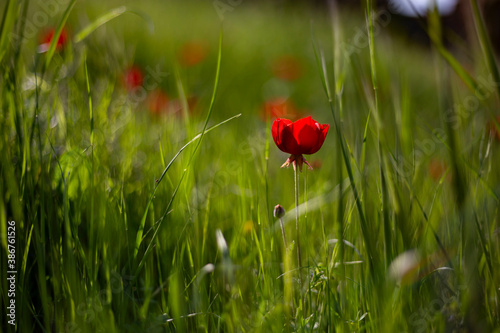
<point>143,220</point>
<point>92,246</point>
<point>201,135</point>
<point>167,210</point>
<point>25,253</point>
<point>363,149</point>
<point>112,14</point>
<point>434,31</point>
<point>57,34</point>
<point>8,19</point>
<point>485,42</point>
<point>382,171</point>
<point>458,68</point>
<point>347,161</point>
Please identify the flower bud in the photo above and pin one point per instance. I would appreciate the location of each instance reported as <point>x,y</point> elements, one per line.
<point>279,211</point>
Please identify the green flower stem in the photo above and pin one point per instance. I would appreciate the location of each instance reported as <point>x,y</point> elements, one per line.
<point>299,259</point>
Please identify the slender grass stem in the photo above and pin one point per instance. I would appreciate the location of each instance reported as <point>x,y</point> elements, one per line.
<point>347,161</point>
<point>93,249</point>
<point>485,42</point>
<point>297,229</point>
<point>283,233</point>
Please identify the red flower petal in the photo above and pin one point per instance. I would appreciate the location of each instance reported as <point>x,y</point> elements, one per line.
<point>133,78</point>
<point>47,36</point>
<point>289,141</point>
<point>306,133</point>
<point>278,126</point>
<point>305,136</point>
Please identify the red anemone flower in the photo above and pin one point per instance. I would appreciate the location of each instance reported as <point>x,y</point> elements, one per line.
<point>133,78</point>
<point>304,136</point>
<point>48,35</point>
<point>192,53</point>
<point>277,108</point>
<point>494,129</point>
<point>317,164</point>
<point>437,169</point>
<point>158,101</point>
<point>177,106</point>
<point>287,67</point>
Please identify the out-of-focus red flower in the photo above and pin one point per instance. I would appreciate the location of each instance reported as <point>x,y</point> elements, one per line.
<point>316,164</point>
<point>192,53</point>
<point>248,227</point>
<point>47,36</point>
<point>287,68</point>
<point>133,78</point>
<point>158,101</point>
<point>176,105</point>
<point>304,136</point>
<point>493,128</point>
<point>278,108</point>
<point>437,169</point>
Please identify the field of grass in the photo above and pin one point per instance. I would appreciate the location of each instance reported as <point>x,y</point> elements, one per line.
<point>145,203</point>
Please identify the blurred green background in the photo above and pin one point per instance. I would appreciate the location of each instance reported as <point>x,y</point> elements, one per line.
<point>115,232</point>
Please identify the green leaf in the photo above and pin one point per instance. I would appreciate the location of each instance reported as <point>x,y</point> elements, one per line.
<point>57,34</point>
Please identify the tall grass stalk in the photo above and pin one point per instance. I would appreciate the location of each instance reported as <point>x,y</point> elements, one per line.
<point>92,247</point>
<point>140,231</point>
<point>484,40</point>
<point>283,234</point>
<point>347,162</point>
